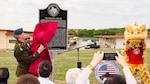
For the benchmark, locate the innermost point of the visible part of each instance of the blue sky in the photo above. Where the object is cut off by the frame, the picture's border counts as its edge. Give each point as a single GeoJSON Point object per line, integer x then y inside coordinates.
{"type": "Point", "coordinates": [89, 14]}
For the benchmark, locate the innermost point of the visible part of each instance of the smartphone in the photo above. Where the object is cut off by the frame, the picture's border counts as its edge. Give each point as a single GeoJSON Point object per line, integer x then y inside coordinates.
{"type": "Point", "coordinates": [79, 64]}
{"type": "Point", "coordinates": [110, 56]}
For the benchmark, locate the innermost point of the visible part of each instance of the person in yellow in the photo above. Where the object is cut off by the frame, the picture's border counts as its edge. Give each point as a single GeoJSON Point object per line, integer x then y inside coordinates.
{"type": "Point", "coordinates": [135, 50]}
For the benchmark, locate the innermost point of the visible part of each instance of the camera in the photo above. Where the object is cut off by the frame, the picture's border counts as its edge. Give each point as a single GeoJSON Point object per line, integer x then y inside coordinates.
{"type": "Point", "coordinates": [110, 56]}
{"type": "Point", "coordinates": [79, 64]}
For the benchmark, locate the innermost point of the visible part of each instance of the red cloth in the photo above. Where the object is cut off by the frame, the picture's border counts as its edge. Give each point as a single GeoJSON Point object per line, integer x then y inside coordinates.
{"type": "Point", "coordinates": [42, 34]}
{"type": "Point", "coordinates": [135, 55]}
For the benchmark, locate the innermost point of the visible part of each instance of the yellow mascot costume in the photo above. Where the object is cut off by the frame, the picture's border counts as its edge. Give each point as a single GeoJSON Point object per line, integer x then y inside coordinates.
{"type": "Point", "coordinates": [135, 50]}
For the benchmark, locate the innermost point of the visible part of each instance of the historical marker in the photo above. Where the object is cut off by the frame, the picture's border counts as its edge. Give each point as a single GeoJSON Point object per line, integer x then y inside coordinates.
{"type": "Point", "coordinates": [54, 13]}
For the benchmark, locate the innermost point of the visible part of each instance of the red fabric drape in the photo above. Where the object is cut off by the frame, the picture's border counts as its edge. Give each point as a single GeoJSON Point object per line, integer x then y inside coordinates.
{"type": "Point", "coordinates": [43, 33]}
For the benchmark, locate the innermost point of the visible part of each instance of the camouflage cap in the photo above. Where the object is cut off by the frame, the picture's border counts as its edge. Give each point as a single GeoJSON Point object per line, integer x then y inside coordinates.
{"type": "Point", "coordinates": [18, 31]}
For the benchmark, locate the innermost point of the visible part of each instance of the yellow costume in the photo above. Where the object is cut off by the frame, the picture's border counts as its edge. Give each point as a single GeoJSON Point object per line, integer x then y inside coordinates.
{"type": "Point", "coordinates": [135, 50]}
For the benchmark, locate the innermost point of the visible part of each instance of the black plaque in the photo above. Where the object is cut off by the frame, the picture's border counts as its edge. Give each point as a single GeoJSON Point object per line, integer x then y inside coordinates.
{"type": "Point", "coordinates": [54, 13]}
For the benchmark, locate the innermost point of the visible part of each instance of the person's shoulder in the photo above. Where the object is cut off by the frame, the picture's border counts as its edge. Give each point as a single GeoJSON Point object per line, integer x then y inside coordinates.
{"type": "Point", "coordinates": [51, 82]}
{"type": "Point", "coordinates": [45, 81]}
{"type": "Point", "coordinates": [20, 46]}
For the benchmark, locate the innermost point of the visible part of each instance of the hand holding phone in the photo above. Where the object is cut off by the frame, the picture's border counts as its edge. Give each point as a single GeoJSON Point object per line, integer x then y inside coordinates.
{"type": "Point", "coordinates": [110, 56]}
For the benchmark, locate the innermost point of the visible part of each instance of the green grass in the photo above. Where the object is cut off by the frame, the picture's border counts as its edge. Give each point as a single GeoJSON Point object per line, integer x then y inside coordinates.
{"type": "Point", "coordinates": [7, 60]}
{"type": "Point", "coordinates": [63, 62]}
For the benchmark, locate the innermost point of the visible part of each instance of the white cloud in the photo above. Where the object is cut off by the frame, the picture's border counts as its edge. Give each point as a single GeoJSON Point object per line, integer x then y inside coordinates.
{"type": "Point", "coordinates": [81, 13]}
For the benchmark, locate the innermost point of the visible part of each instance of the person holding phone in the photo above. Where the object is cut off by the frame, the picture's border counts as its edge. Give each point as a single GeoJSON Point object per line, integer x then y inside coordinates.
{"type": "Point", "coordinates": [82, 77]}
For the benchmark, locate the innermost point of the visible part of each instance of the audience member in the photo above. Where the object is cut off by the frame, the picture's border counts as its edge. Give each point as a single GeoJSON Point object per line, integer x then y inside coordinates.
{"type": "Point", "coordinates": [72, 74]}
{"type": "Point", "coordinates": [119, 79]}
{"type": "Point", "coordinates": [45, 69]}
{"type": "Point", "coordinates": [27, 79]}
{"type": "Point", "coordinates": [115, 79]}
{"type": "Point", "coordinates": [82, 77]}
{"type": "Point", "coordinates": [4, 75]}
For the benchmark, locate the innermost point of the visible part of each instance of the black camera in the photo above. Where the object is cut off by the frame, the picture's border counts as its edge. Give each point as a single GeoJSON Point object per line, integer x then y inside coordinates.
{"type": "Point", "coordinates": [79, 64]}
{"type": "Point", "coordinates": [110, 56]}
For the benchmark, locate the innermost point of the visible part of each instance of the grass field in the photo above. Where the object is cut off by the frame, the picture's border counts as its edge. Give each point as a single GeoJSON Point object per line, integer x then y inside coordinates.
{"type": "Point", "coordinates": [63, 62]}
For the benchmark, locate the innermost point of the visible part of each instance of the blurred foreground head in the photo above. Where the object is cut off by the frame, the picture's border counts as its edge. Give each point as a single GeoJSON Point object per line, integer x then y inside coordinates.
{"type": "Point", "coordinates": [45, 68]}
{"type": "Point", "coordinates": [4, 75]}
{"type": "Point", "coordinates": [115, 79]}
{"type": "Point", "coordinates": [27, 79]}
{"type": "Point", "coordinates": [72, 75]}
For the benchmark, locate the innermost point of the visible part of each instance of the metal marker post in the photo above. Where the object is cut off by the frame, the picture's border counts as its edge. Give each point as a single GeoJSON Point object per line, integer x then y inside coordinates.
{"type": "Point", "coordinates": [53, 53]}
{"type": "Point", "coordinates": [79, 64]}
{"type": "Point", "coordinates": [53, 65]}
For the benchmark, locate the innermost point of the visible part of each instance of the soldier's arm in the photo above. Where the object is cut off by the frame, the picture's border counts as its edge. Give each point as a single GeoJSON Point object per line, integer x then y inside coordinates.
{"type": "Point", "coordinates": [25, 56]}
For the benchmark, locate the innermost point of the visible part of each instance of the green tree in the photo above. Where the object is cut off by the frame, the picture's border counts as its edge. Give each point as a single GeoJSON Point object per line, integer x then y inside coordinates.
{"type": "Point", "coordinates": [93, 32]}
{"type": "Point", "coordinates": [80, 33]}
{"type": "Point", "coordinates": [71, 32]}
{"type": "Point", "coordinates": [120, 30]}
{"type": "Point", "coordinates": [90, 33]}
{"type": "Point", "coordinates": [97, 32]}
{"type": "Point", "coordinates": [111, 31]}
{"type": "Point", "coordinates": [148, 30]}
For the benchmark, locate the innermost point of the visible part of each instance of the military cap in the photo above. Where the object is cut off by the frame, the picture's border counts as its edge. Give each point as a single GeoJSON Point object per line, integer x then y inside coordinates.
{"type": "Point", "coordinates": [18, 31]}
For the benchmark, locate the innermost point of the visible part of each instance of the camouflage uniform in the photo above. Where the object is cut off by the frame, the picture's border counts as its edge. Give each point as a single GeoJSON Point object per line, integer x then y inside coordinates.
{"type": "Point", "coordinates": [24, 57]}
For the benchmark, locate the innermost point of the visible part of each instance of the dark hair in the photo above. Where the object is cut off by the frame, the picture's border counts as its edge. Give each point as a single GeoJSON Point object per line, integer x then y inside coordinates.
{"type": "Point", "coordinates": [27, 79]}
{"type": "Point", "coordinates": [4, 75]}
{"type": "Point", "coordinates": [115, 79]}
{"type": "Point", "coordinates": [45, 68]}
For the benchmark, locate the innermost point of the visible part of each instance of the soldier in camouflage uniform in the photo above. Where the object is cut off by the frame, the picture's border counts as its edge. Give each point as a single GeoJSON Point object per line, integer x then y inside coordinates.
{"type": "Point", "coordinates": [23, 53]}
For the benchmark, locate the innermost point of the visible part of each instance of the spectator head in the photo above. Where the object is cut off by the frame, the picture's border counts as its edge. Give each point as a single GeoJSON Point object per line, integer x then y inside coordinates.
{"type": "Point", "coordinates": [115, 79]}
{"type": "Point", "coordinates": [27, 79]}
{"type": "Point", "coordinates": [72, 74]}
{"type": "Point", "coordinates": [45, 68]}
{"type": "Point", "coordinates": [4, 75]}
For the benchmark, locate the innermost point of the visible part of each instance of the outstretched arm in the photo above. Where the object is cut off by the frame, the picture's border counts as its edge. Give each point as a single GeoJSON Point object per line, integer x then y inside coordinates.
{"type": "Point", "coordinates": [84, 75]}
{"type": "Point", "coordinates": [128, 75]}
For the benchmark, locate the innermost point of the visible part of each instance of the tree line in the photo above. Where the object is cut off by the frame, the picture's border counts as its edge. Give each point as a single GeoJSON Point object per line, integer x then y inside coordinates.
{"type": "Point", "coordinates": [94, 32]}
